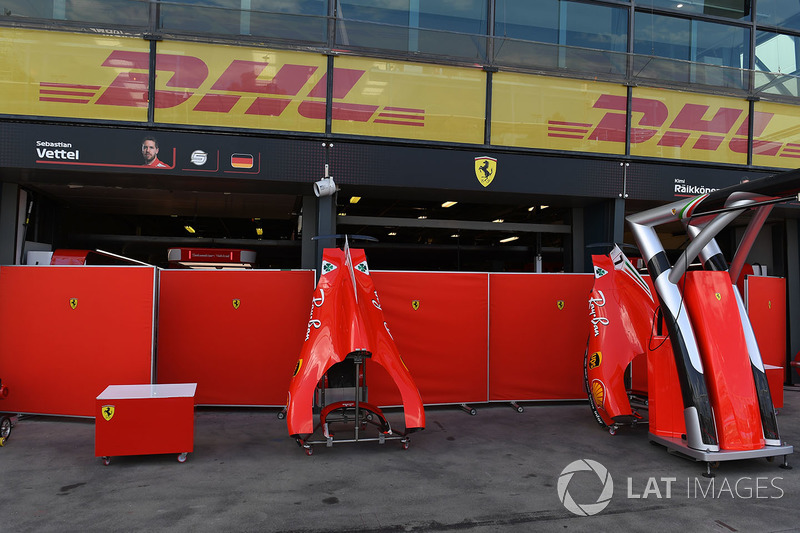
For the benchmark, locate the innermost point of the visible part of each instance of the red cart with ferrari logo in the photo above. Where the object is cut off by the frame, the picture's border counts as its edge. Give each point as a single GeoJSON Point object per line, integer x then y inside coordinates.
{"type": "Point", "coordinates": [144, 420]}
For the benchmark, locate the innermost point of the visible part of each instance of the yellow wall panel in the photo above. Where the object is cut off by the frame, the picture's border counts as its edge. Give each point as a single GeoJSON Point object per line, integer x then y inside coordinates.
{"type": "Point", "coordinates": [689, 126]}
{"type": "Point", "coordinates": [776, 135]}
{"type": "Point", "coordinates": [554, 113]}
{"type": "Point", "coordinates": [55, 74]}
{"type": "Point", "coordinates": [408, 100]}
{"type": "Point", "coordinates": [239, 87]}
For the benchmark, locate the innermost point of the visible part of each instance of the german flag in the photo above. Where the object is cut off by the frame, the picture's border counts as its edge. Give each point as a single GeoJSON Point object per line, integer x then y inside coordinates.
{"type": "Point", "coordinates": [242, 161]}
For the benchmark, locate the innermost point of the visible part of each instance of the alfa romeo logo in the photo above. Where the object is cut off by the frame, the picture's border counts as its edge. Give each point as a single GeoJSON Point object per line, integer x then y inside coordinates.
{"type": "Point", "coordinates": [585, 509]}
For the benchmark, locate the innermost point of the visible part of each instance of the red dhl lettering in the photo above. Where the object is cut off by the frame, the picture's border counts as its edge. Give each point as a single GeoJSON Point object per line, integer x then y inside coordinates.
{"type": "Point", "coordinates": [240, 79]}
{"type": "Point", "coordinates": [649, 116]}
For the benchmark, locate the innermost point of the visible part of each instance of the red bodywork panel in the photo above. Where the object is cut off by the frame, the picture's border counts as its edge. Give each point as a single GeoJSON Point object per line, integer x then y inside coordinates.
{"type": "Point", "coordinates": [621, 314]}
{"type": "Point", "coordinates": [715, 317]}
{"type": "Point", "coordinates": [346, 317]}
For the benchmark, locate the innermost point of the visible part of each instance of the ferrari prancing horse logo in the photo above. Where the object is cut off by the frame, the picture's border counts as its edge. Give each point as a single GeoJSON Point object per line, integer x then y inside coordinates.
{"type": "Point", "coordinates": [718, 295]}
{"type": "Point", "coordinates": [236, 303]}
{"type": "Point", "coordinates": [560, 304]}
{"type": "Point", "coordinates": [485, 169]}
{"type": "Point", "coordinates": [414, 304]}
{"type": "Point", "coordinates": [108, 412]}
{"type": "Point", "coordinates": [73, 303]}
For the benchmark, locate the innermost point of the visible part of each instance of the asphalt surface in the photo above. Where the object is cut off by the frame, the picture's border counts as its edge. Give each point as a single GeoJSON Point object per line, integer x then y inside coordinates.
{"type": "Point", "coordinates": [496, 471]}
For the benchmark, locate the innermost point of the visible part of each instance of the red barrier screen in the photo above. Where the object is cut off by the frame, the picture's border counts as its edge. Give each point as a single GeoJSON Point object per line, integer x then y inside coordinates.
{"type": "Point", "coordinates": [236, 333]}
{"type": "Point", "coordinates": [67, 332]}
{"type": "Point", "coordinates": [766, 307]}
{"type": "Point", "coordinates": [539, 326]}
{"type": "Point", "coordinates": [438, 321]}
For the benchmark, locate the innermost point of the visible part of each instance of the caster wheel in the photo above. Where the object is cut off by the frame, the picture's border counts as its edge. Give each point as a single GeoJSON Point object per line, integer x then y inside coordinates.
{"type": "Point", "coordinates": [5, 429]}
{"type": "Point", "coordinates": [369, 417]}
{"type": "Point", "coordinates": [612, 430]}
{"type": "Point", "coordinates": [406, 444]}
{"type": "Point", "coordinates": [182, 457]}
{"type": "Point", "coordinates": [106, 461]}
{"type": "Point", "coordinates": [520, 409]}
{"type": "Point", "coordinates": [473, 412]}
{"type": "Point", "coordinates": [281, 415]}
{"type": "Point", "coordinates": [309, 451]}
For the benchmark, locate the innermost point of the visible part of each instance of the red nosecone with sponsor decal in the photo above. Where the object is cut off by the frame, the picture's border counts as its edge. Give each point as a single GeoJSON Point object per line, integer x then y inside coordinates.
{"type": "Point", "coordinates": [621, 311]}
{"type": "Point", "coordinates": [346, 318]}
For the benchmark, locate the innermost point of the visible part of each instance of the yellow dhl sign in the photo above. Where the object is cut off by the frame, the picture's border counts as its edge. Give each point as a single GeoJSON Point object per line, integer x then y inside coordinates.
{"type": "Point", "coordinates": [104, 77]}
{"type": "Point", "coordinates": [66, 75]}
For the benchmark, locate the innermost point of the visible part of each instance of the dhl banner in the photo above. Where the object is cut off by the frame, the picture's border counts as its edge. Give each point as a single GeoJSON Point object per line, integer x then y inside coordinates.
{"type": "Point", "coordinates": [233, 86]}
{"type": "Point", "coordinates": [553, 113]}
{"type": "Point", "coordinates": [408, 100]}
{"type": "Point", "coordinates": [102, 77]}
{"type": "Point", "coordinates": [68, 75]}
{"type": "Point", "coordinates": [678, 125]}
{"type": "Point", "coordinates": [776, 135]}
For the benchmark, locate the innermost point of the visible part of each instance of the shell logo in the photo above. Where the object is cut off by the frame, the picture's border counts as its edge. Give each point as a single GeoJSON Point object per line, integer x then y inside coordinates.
{"type": "Point", "coordinates": [598, 392]}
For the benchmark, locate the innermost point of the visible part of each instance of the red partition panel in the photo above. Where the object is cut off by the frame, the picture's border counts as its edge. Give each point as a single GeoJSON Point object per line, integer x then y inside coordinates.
{"type": "Point", "coordinates": [236, 333]}
{"type": "Point", "coordinates": [766, 307]}
{"type": "Point", "coordinates": [538, 331]}
{"type": "Point", "coordinates": [442, 338]}
{"type": "Point", "coordinates": [67, 332]}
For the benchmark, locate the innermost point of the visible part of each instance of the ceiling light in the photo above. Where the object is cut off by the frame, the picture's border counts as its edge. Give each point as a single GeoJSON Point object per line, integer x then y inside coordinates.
{"type": "Point", "coordinates": [531, 208]}
{"type": "Point", "coordinates": [189, 229]}
{"type": "Point", "coordinates": [509, 239]}
{"type": "Point", "coordinates": [259, 231]}
{"type": "Point", "coordinates": [422, 217]}
{"type": "Point", "coordinates": [454, 235]}
{"type": "Point", "coordinates": [355, 199]}
{"type": "Point", "coordinates": [498, 220]}
{"type": "Point", "coordinates": [679, 6]}
{"type": "Point", "coordinates": [342, 214]}
{"type": "Point", "coordinates": [392, 233]}
{"type": "Point", "coordinates": [543, 206]}
{"type": "Point", "coordinates": [449, 204]}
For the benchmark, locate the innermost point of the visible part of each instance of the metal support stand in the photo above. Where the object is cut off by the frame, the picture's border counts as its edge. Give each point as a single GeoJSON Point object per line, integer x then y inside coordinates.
{"type": "Point", "coordinates": [467, 409]}
{"type": "Point", "coordinates": [363, 413]}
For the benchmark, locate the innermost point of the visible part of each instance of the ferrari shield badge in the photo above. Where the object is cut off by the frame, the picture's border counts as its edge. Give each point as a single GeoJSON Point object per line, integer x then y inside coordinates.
{"type": "Point", "coordinates": [485, 169]}
{"type": "Point", "coordinates": [414, 304]}
{"type": "Point", "coordinates": [560, 304]}
{"type": "Point", "coordinates": [236, 303]}
{"type": "Point", "coordinates": [73, 303]}
{"type": "Point", "coordinates": [108, 412]}
{"type": "Point", "coordinates": [718, 296]}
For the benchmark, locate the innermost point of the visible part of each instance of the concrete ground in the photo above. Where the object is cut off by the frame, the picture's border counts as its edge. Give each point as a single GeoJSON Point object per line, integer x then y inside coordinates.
{"type": "Point", "coordinates": [496, 471]}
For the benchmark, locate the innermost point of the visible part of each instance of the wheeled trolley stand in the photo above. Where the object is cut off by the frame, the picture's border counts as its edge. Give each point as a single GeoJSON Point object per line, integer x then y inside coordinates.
{"type": "Point", "coordinates": [357, 413]}
{"type": "Point", "coordinates": [6, 420]}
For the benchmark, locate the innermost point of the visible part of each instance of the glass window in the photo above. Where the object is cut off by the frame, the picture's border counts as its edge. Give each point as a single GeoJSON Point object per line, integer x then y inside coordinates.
{"type": "Point", "coordinates": [123, 12]}
{"type": "Point", "coordinates": [302, 20]}
{"type": "Point", "coordinates": [733, 9]}
{"type": "Point", "coordinates": [455, 28]}
{"type": "Point", "coordinates": [777, 64]}
{"type": "Point", "coordinates": [779, 13]}
{"type": "Point", "coordinates": [717, 52]}
{"type": "Point", "coordinates": [522, 35]}
{"type": "Point", "coordinates": [516, 20]}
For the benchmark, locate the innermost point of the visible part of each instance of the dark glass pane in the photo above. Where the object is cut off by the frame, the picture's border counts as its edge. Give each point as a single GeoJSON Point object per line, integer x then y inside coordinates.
{"type": "Point", "coordinates": [451, 29]}
{"type": "Point", "coordinates": [733, 9]}
{"type": "Point", "coordinates": [779, 13]}
{"type": "Point", "coordinates": [515, 19]}
{"type": "Point", "coordinates": [122, 12]}
{"type": "Point", "coordinates": [598, 27]}
{"type": "Point", "coordinates": [657, 35]}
